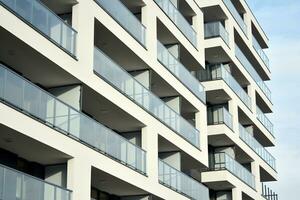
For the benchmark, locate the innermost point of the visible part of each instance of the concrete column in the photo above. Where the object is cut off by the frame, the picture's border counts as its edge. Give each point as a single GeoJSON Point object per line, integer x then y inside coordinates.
{"type": "Point", "coordinates": [256, 172]}
{"type": "Point", "coordinates": [237, 194]}
{"type": "Point", "coordinates": [251, 93]}
{"type": "Point", "coordinates": [247, 19]}
{"type": "Point", "coordinates": [201, 125]}
{"type": "Point", "coordinates": [233, 110]}
{"type": "Point", "coordinates": [150, 144]}
{"type": "Point", "coordinates": [79, 178]}
{"type": "Point", "coordinates": [83, 22]}
{"type": "Point", "coordinates": [230, 29]}
{"type": "Point", "coordinates": [149, 20]}
{"type": "Point", "coordinates": [198, 25]}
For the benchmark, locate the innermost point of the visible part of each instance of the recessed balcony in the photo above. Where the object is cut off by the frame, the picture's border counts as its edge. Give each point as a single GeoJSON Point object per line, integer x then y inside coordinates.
{"type": "Point", "coordinates": [236, 15]}
{"type": "Point", "coordinates": [181, 183]}
{"type": "Point", "coordinates": [119, 78]}
{"type": "Point", "coordinates": [264, 120]}
{"type": "Point", "coordinates": [45, 21]}
{"type": "Point", "coordinates": [180, 71]}
{"type": "Point", "coordinates": [219, 72]}
{"type": "Point", "coordinates": [117, 10]}
{"type": "Point", "coordinates": [216, 29]}
{"type": "Point", "coordinates": [257, 147]}
{"type": "Point", "coordinates": [18, 185]}
{"type": "Point", "coordinates": [222, 161]}
{"type": "Point", "coordinates": [179, 20]}
{"type": "Point", "coordinates": [21, 94]}
{"type": "Point", "coordinates": [260, 52]}
{"type": "Point", "coordinates": [249, 67]}
{"type": "Point", "coordinates": [219, 115]}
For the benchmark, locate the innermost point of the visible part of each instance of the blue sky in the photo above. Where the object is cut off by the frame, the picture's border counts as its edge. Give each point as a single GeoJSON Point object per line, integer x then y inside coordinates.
{"type": "Point", "coordinates": [281, 21]}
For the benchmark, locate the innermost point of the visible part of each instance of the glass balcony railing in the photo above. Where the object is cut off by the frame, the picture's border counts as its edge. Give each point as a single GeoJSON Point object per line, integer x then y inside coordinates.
{"type": "Point", "coordinates": [223, 161]}
{"type": "Point", "coordinates": [27, 97]}
{"type": "Point", "coordinates": [180, 71]}
{"type": "Point", "coordinates": [18, 185]}
{"type": "Point", "coordinates": [257, 147]}
{"type": "Point", "coordinates": [264, 120]}
{"type": "Point", "coordinates": [181, 183]}
{"type": "Point", "coordinates": [219, 115]}
{"type": "Point", "coordinates": [126, 84]}
{"type": "Point", "coordinates": [117, 10]}
{"type": "Point", "coordinates": [249, 67]}
{"type": "Point", "coordinates": [216, 29]}
{"type": "Point", "coordinates": [176, 17]}
{"type": "Point", "coordinates": [236, 15]}
{"type": "Point", "coordinates": [45, 21]}
{"type": "Point", "coordinates": [219, 72]}
{"type": "Point", "coordinates": [260, 52]}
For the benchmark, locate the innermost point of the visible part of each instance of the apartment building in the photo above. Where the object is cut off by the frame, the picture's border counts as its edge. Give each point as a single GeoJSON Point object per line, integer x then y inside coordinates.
{"type": "Point", "coordinates": [134, 100]}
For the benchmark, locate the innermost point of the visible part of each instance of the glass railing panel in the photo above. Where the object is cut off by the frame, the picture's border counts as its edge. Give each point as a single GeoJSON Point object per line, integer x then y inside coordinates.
{"type": "Point", "coordinates": [27, 97]}
{"type": "Point", "coordinates": [257, 147]}
{"type": "Point", "coordinates": [180, 182]}
{"type": "Point", "coordinates": [216, 29]}
{"type": "Point", "coordinates": [264, 120]}
{"type": "Point", "coordinates": [218, 72]}
{"type": "Point", "coordinates": [125, 18]}
{"type": "Point", "coordinates": [236, 15]}
{"type": "Point", "coordinates": [173, 13]}
{"type": "Point", "coordinates": [219, 115]}
{"type": "Point", "coordinates": [224, 161]}
{"type": "Point", "coordinates": [260, 52]}
{"type": "Point", "coordinates": [248, 66]}
{"type": "Point", "coordinates": [180, 71]}
{"type": "Point", "coordinates": [17, 185]}
{"type": "Point", "coordinates": [46, 21]}
{"type": "Point", "coordinates": [125, 83]}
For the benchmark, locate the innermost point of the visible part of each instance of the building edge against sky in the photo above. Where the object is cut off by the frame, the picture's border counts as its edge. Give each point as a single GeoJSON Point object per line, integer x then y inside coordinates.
{"type": "Point", "coordinates": [134, 100]}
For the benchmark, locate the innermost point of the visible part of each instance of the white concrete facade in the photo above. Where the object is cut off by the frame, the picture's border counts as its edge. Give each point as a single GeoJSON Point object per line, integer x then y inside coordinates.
{"type": "Point", "coordinates": [118, 99]}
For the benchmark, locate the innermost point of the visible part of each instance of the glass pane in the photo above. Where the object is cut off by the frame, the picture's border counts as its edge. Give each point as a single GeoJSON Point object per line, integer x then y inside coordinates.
{"type": "Point", "coordinates": [40, 17]}
{"type": "Point", "coordinates": [32, 189]}
{"type": "Point", "coordinates": [61, 116]}
{"type": "Point", "coordinates": [24, 8]}
{"type": "Point", "coordinates": [32, 99]}
{"type": "Point", "coordinates": [2, 83]}
{"type": "Point", "coordinates": [55, 28]}
{"type": "Point", "coordinates": [11, 189]}
{"type": "Point", "coordinates": [14, 90]}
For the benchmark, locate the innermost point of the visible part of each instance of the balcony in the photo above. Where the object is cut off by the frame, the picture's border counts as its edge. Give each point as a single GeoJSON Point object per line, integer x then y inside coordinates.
{"type": "Point", "coordinates": [181, 183]}
{"type": "Point", "coordinates": [117, 10]}
{"type": "Point", "coordinates": [260, 52]}
{"type": "Point", "coordinates": [236, 15]}
{"type": "Point", "coordinates": [127, 85]}
{"type": "Point", "coordinates": [223, 161]}
{"type": "Point", "coordinates": [264, 120]}
{"type": "Point", "coordinates": [257, 147]}
{"type": "Point", "coordinates": [180, 71]}
{"type": "Point", "coordinates": [219, 72]}
{"type": "Point", "coordinates": [178, 19]}
{"type": "Point", "coordinates": [248, 66]}
{"type": "Point", "coordinates": [46, 22]}
{"type": "Point", "coordinates": [216, 29]}
{"type": "Point", "coordinates": [268, 194]}
{"type": "Point", "coordinates": [219, 115]}
{"type": "Point", "coordinates": [32, 100]}
{"type": "Point", "coordinates": [17, 185]}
